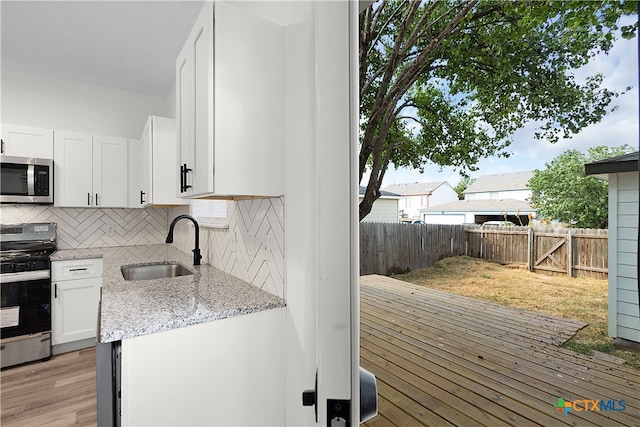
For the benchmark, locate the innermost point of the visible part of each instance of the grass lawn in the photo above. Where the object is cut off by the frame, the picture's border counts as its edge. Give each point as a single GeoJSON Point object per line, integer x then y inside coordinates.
{"type": "Point", "coordinates": [572, 298]}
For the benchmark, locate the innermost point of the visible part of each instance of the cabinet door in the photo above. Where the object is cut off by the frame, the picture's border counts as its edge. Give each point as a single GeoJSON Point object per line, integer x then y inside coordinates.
{"type": "Point", "coordinates": [145, 165]}
{"type": "Point", "coordinates": [74, 310]}
{"type": "Point", "coordinates": [163, 150]}
{"type": "Point", "coordinates": [202, 88]}
{"type": "Point", "coordinates": [183, 116]}
{"type": "Point", "coordinates": [110, 172]}
{"type": "Point", "coordinates": [25, 141]}
{"type": "Point", "coordinates": [73, 169]}
{"type": "Point", "coordinates": [135, 178]}
{"type": "Point", "coordinates": [194, 97]}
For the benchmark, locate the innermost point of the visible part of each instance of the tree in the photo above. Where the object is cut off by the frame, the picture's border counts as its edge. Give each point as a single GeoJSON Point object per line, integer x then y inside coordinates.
{"type": "Point", "coordinates": [563, 192]}
{"type": "Point", "coordinates": [462, 185]}
{"type": "Point", "coordinates": [448, 82]}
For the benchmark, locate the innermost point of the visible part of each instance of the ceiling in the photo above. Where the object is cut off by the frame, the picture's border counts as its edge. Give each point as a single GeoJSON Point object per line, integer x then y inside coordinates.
{"type": "Point", "coordinates": [129, 45]}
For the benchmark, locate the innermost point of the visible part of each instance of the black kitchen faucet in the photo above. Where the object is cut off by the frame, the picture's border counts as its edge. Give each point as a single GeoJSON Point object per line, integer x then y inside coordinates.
{"type": "Point", "coordinates": [196, 251]}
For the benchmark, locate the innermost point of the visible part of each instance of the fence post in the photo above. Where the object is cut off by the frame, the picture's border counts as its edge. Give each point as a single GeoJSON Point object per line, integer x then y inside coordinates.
{"type": "Point", "coordinates": [530, 249]}
{"type": "Point", "coordinates": [570, 252]}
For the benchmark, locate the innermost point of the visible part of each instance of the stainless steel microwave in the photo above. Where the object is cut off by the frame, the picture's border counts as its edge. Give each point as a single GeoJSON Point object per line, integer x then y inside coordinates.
{"type": "Point", "coordinates": [26, 180]}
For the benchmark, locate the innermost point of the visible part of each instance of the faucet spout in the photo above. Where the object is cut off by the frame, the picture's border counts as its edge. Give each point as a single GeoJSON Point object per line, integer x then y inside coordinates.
{"type": "Point", "coordinates": [196, 251]}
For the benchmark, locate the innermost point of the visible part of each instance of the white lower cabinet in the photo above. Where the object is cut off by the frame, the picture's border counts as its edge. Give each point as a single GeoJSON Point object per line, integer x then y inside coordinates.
{"type": "Point", "coordinates": [75, 287]}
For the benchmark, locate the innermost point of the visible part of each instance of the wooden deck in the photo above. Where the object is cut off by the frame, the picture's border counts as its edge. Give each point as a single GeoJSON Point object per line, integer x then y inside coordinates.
{"type": "Point", "coordinates": [445, 360]}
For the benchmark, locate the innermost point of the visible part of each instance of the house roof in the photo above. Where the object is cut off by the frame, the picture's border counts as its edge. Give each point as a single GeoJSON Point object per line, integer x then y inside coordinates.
{"type": "Point", "coordinates": [485, 205]}
{"type": "Point", "coordinates": [415, 188]}
{"type": "Point", "coordinates": [624, 163]}
{"type": "Point", "coordinates": [500, 182]}
{"type": "Point", "coordinates": [383, 193]}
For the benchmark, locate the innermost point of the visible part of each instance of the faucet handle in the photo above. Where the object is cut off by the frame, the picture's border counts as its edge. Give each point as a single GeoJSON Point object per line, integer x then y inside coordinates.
{"type": "Point", "coordinates": [196, 256]}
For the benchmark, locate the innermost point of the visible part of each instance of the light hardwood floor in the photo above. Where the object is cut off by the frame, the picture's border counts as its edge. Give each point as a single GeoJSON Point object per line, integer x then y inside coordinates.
{"type": "Point", "coordinates": [58, 392]}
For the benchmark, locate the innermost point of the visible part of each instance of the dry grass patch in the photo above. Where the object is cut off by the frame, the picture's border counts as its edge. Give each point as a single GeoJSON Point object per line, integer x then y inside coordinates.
{"type": "Point", "coordinates": [572, 298]}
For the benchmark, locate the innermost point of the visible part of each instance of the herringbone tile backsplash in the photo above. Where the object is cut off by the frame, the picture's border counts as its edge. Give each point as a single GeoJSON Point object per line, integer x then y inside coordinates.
{"type": "Point", "coordinates": [95, 228]}
{"type": "Point", "coordinates": [251, 248]}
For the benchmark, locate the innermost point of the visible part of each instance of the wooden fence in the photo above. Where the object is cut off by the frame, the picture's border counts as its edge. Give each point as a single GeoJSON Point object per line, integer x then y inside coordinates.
{"type": "Point", "coordinates": [387, 248]}
{"type": "Point", "coordinates": [568, 251]}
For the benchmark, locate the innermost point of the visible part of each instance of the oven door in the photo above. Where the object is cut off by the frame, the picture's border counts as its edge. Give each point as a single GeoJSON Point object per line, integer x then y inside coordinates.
{"type": "Point", "coordinates": [26, 303]}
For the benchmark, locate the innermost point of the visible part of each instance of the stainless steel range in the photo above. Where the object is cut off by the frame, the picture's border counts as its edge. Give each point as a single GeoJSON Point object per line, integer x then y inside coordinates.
{"type": "Point", "coordinates": [25, 277]}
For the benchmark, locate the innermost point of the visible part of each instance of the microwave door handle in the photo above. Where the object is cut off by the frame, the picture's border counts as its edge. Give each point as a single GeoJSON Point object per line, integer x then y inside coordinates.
{"type": "Point", "coordinates": [31, 191]}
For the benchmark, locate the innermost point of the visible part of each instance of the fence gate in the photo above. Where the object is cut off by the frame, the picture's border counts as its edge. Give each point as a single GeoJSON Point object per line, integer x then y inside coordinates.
{"type": "Point", "coordinates": [550, 252]}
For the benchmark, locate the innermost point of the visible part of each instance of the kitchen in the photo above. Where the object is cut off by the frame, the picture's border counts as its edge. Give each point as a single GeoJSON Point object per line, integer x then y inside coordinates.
{"type": "Point", "coordinates": [281, 156]}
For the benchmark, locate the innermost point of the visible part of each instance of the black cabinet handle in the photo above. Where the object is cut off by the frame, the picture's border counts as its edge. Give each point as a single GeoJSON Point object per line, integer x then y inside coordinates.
{"type": "Point", "coordinates": [181, 178]}
{"type": "Point", "coordinates": [55, 291]}
{"type": "Point", "coordinates": [96, 199]}
{"type": "Point", "coordinates": [184, 170]}
{"type": "Point", "coordinates": [142, 193]}
{"type": "Point", "coordinates": [1, 146]}
{"type": "Point", "coordinates": [88, 199]}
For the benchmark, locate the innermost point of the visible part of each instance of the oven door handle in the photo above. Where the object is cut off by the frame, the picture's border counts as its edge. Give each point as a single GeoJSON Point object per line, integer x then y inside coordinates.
{"type": "Point", "coordinates": [24, 276]}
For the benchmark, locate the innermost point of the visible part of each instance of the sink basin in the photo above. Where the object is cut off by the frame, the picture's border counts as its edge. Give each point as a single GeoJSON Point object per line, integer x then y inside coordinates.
{"type": "Point", "coordinates": [154, 271]}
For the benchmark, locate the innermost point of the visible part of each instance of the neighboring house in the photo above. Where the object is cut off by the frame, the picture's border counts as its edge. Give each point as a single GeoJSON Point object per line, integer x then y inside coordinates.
{"type": "Point", "coordinates": [420, 195]}
{"type": "Point", "coordinates": [622, 174]}
{"type": "Point", "coordinates": [479, 211]}
{"type": "Point", "coordinates": [385, 209]}
{"type": "Point", "coordinates": [500, 186]}
{"type": "Point", "coordinates": [488, 198]}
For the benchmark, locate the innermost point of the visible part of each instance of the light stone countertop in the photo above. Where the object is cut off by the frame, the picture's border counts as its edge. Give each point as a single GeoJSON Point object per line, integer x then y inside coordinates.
{"type": "Point", "coordinates": [134, 308]}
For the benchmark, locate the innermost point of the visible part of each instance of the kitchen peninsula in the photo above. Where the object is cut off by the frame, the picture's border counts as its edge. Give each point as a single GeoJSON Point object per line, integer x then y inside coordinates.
{"type": "Point", "coordinates": [185, 341]}
{"type": "Point", "coordinates": [135, 308]}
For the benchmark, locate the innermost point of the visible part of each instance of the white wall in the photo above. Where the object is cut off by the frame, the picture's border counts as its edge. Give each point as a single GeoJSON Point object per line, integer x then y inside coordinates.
{"type": "Point", "coordinates": [35, 100]}
{"type": "Point", "coordinates": [513, 194]}
{"type": "Point", "coordinates": [415, 203]}
{"type": "Point", "coordinates": [624, 319]}
{"type": "Point", "coordinates": [443, 194]}
{"type": "Point", "coordinates": [444, 219]}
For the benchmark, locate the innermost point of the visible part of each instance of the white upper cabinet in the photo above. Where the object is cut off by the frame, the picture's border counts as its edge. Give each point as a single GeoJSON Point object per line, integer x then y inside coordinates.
{"type": "Point", "coordinates": [110, 172]}
{"type": "Point", "coordinates": [157, 184]}
{"type": "Point", "coordinates": [26, 141]}
{"type": "Point", "coordinates": [90, 171]}
{"type": "Point", "coordinates": [136, 196]}
{"type": "Point", "coordinates": [229, 101]}
{"type": "Point", "coordinates": [73, 170]}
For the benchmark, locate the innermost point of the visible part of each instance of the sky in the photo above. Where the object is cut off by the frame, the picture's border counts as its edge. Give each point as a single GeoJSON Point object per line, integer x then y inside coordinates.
{"type": "Point", "coordinates": [619, 68]}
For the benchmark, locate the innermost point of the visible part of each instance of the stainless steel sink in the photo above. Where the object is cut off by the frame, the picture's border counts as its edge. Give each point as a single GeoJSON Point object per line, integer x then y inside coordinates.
{"type": "Point", "coordinates": [154, 271]}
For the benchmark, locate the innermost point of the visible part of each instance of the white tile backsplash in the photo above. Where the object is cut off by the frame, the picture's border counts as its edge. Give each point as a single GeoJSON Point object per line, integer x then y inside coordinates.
{"type": "Point", "coordinates": [251, 248]}
{"type": "Point", "coordinates": [95, 228]}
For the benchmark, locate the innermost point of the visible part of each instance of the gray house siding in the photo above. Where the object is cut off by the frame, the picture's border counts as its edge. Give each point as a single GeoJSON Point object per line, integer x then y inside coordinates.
{"type": "Point", "coordinates": [624, 315]}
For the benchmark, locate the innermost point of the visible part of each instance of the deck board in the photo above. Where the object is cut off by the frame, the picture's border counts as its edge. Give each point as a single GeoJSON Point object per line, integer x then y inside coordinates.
{"type": "Point", "coordinates": [468, 362]}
